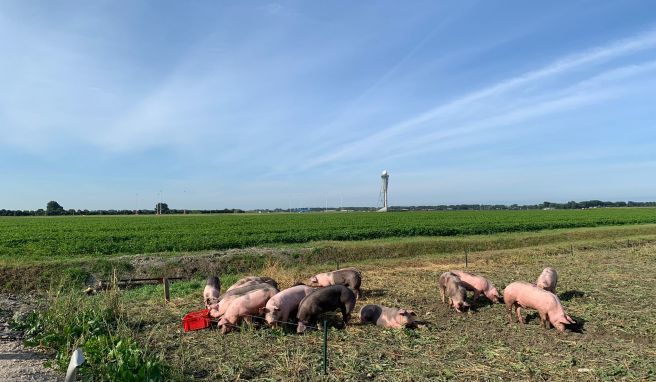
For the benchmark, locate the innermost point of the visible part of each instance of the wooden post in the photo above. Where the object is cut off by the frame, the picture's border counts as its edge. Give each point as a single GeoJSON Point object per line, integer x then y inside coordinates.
{"type": "Point", "coordinates": [466, 260]}
{"type": "Point", "coordinates": [571, 249]}
{"type": "Point", "coordinates": [167, 292]}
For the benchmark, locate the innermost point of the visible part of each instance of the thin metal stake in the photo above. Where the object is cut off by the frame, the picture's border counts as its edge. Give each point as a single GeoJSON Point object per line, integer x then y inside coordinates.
{"type": "Point", "coordinates": [325, 347]}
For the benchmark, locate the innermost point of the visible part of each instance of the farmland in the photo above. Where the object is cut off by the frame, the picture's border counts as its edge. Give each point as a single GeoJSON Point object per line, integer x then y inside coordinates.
{"type": "Point", "coordinates": [57, 238]}
{"type": "Point", "coordinates": [606, 259]}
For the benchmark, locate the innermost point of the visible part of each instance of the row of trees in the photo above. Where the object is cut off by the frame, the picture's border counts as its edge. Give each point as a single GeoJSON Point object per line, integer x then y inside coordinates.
{"type": "Point", "coordinates": [544, 205]}
{"type": "Point", "coordinates": [55, 209]}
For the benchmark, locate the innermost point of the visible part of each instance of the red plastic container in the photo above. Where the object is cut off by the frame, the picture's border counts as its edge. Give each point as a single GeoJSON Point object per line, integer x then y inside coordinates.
{"type": "Point", "coordinates": [196, 320]}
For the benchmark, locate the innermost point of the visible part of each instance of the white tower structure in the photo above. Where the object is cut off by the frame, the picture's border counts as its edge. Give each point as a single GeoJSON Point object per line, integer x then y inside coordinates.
{"type": "Point", "coordinates": [383, 190]}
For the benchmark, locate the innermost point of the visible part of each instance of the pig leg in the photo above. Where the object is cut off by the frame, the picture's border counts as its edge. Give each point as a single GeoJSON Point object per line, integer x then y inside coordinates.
{"type": "Point", "coordinates": [519, 314]}
{"type": "Point", "coordinates": [543, 320]}
{"type": "Point", "coordinates": [509, 311]}
{"type": "Point", "coordinates": [442, 294]}
{"type": "Point", "coordinates": [345, 315]}
{"type": "Point", "coordinates": [477, 293]}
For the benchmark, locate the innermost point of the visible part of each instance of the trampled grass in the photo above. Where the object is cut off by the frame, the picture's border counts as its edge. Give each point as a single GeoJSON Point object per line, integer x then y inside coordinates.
{"type": "Point", "coordinates": [608, 291]}
{"type": "Point", "coordinates": [61, 238]}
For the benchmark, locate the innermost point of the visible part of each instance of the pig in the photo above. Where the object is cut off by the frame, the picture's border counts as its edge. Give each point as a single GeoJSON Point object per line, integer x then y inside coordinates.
{"type": "Point", "coordinates": [252, 280]}
{"type": "Point", "coordinates": [285, 304]}
{"type": "Point", "coordinates": [451, 287]}
{"type": "Point", "coordinates": [212, 291]}
{"type": "Point", "coordinates": [245, 288]}
{"type": "Point", "coordinates": [478, 284]}
{"type": "Point", "coordinates": [325, 300]}
{"type": "Point", "coordinates": [528, 296]}
{"type": "Point", "coordinates": [218, 309]}
{"type": "Point", "coordinates": [244, 306]}
{"type": "Point", "coordinates": [349, 277]}
{"type": "Point", "coordinates": [548, 279]}
{"type": "Point", "coordinates": [387, 317]}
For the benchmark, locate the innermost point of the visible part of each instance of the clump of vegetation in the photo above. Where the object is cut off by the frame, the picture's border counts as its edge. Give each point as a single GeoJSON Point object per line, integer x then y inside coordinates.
{"type": "Point", "coordinates": [97, 324]}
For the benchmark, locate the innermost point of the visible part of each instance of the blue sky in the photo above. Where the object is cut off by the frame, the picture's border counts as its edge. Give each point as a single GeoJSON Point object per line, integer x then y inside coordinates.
{"type": "Point", "coordinates": [252, 104]}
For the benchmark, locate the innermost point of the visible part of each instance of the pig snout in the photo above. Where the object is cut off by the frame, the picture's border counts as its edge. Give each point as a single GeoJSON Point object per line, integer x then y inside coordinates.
{"type": "Point", "coordinates": [301, 327]}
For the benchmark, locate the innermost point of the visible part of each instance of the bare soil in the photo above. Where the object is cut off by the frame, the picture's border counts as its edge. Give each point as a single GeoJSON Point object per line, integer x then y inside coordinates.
{"type": "Point", "coordinates": [18, 363]}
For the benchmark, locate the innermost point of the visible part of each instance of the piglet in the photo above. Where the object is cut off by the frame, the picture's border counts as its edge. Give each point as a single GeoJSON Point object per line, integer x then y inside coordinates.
{"type": "Point", "coordinates": [521, 294]}
{"type": "Point", "coordinates": [387, 317]}
{"type": "Point", "coordinates": [349, 277]}
{"type": "Point", "coordinates": [253, 280]}
{"type": "Point", "coordinates": [212, 291]}
{"type": "Point", "coordinates": [285, 304]}
{"type": "Point", "coordinates": [548, 279]}
{"type": "Point", "coordinates": [322, 301]}
{"type": "Point", "coordinates": [478, 284]}
{"type": "Point", "coordinates": [245, 306]}
{"type": "Point", "coordinates": [451, 287]}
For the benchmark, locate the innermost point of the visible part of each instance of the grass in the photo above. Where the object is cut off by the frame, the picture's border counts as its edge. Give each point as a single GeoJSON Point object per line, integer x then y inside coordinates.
{"type": "Point", "coordinates": [606, 283]}
{"type": "Point", "coordinates": [20, 276]}
{"type": "Point", "coordinates": [43, 239]}
{"type": "Point", "coordinates": [608, 291]}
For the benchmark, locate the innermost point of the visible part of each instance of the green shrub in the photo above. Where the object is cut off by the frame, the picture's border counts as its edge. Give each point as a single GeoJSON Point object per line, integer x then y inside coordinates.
{"type": "Point", "coordinates": [97, 324]}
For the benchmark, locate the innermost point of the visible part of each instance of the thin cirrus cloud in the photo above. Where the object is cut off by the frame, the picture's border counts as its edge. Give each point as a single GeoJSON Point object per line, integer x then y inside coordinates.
{"type": "Point", "coordinates": [493, 102]}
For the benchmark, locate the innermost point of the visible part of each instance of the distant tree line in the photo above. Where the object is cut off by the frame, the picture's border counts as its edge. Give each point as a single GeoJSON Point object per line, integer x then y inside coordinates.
{"type": "Point", "coordinates": [55, 209]}
{"type": "Point", "coordinates": [545, 205]}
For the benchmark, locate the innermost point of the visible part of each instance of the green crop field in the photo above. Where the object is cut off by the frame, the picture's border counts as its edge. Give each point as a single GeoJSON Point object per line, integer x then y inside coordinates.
{"type": "Point", "coordinates": [605, 258]}
{"type": "Point", "coordinates": [32, 238]}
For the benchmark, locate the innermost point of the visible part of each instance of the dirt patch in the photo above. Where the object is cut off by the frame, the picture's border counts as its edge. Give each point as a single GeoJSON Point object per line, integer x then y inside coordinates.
{"type": "Point", "coordinates": [18, 363]}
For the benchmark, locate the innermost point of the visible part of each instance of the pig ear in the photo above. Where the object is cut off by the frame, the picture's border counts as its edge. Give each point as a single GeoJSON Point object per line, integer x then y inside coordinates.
{"type": "Point", "coordinates": [314, 279]}
{"type": "Point", "coordinates": [403, 312]}
{"type": "Point", "coordinates": [276, 308]}
{"type": "Point", "coordinates": [569, 320]}
{"type": "Point", "coordinates": [264, 310]}
{"type": "Point", "coordinates": [412, 313]}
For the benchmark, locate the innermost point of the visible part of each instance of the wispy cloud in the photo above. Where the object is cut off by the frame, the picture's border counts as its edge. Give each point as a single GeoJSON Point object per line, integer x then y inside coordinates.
{"type": "Point", "coordinates": [485, 105]}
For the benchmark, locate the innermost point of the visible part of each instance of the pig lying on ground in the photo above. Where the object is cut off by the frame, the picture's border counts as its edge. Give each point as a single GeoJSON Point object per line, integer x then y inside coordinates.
{"type": "Point", "coordinates": [387, 317]}
{"type": "Point", "coordinates": [212, 291]}
{"type": "Point", "coordinates": [245, 306]}
{"type": "Point", "coordinates": [252, 280]}
{"type": "Point", "coordinates": [528, 296]}
{"type": "Point", "coordinates": [219, 308]}
{"type": "Point", "coordinates": [284, 305]}
{"type": "Point", "coordinates": [478, 284]}
{"type": "Point", "coordinates": [322, 301]}
{"type": "Point", "coordinates": [451, 287]}
{"type": "Point", "coordinates": [548, 280]}
{"type": "Point", "coordinates": [349, 277]}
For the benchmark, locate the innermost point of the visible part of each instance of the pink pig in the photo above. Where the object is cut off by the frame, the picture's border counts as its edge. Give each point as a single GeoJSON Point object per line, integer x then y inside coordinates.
{"type": "Point", "coordinates": [245, 306]}
{"type": "Point", "coordinates": [387, 317]}
{"type": "Point", "coordinates": [548, 279]}
{"type": "Point", "coordinates": [528, 296]}
{"type": "Point", "coordinates": [220, 308]}
{"type": "Point", "coordinates": [478, 284]}
{"type": "Point", "coordinates": [349, 277]}
{"type": "Point", "coordinates": [212, 291]}
{"type": "Point", "coordinates": [281, 306]}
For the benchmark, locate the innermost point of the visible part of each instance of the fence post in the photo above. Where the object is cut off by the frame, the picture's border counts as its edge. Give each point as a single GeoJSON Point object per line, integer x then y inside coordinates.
{"type": "Point", "coordinates": [325, 347]}
{"type": "Point", "coordinates": [167, 292]}
{"type": "Point", "coordinates": [466, 261]}
{"type": "Point", "coordinates": [337, 263]}
{"type": "Point", "coordinates": [571, 249]}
